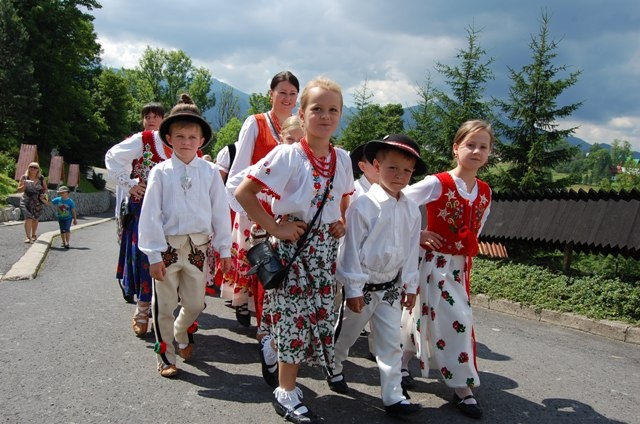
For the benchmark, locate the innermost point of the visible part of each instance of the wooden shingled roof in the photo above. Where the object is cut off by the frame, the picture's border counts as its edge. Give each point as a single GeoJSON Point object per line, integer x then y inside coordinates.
{"type": "Point", "coordinates": [599, 221]}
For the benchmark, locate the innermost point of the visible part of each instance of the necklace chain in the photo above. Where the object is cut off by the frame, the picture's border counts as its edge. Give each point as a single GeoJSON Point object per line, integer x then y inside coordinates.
{"type": "Point", "coordinates": [322, 167]}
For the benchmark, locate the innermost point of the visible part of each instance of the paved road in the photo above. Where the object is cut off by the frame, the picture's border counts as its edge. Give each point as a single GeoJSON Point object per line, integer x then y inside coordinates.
{"type": "Point", "coordinates": [68, 356]}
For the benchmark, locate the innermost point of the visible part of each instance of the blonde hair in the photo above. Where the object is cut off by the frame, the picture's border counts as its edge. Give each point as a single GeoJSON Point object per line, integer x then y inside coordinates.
{"type": "Point", "coordinates": [26, 171]}
{"type": "Point", "coordinates": [473, 126]}
{"type": "Point", "coordinates": [290, 124]}
{"type": "Point", "coordinates": [321, 82]}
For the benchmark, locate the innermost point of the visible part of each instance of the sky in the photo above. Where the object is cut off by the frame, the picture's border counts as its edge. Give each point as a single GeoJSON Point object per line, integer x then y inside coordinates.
{"type": "Point", "coordinates": [394, 46]}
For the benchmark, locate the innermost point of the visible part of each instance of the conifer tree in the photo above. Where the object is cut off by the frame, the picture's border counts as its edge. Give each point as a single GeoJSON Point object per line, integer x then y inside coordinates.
{"type": "Point", "coordinates": [534, 144]}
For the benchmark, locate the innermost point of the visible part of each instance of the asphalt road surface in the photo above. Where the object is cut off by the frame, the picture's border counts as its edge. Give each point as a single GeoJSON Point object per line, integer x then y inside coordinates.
{"type": "Point", "coordinates": [68, 355]}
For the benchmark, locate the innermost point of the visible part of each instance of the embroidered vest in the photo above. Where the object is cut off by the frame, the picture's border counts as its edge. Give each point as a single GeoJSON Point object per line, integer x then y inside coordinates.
{"type": "Point", "coordinates": [265, 142]}
{"type": "Point", "coordinates": [456, 219]}
{"type": "Point", "coordinates": [150, 157]}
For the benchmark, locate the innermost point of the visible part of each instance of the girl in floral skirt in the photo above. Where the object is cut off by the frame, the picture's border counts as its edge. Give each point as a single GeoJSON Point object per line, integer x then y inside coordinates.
{"type": "Point", "coordinates": [457, 204]}
{"type": "Point", "coordinates": [300, 313]}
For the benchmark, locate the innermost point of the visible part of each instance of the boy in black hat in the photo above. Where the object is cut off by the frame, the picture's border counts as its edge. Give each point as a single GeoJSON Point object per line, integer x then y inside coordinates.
{"type": "Point", "coordinates": [378, 265]}
{"type": "Point", "coordinates": [184, 203]}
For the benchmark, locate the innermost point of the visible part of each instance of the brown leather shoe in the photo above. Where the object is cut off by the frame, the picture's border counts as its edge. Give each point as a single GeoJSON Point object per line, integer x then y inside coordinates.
{"type": "Point", "coordinates": [168, 371]}
{"type": "Point", "coordinates": [186, 352]}
{"type": "Point", "coordinates": [140, 328]}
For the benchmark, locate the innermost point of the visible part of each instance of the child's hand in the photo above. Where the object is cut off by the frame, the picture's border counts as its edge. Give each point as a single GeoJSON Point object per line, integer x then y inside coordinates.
{"type": "Point", "coordinates": [430, 240]}
{"type": "Point", "coordinates": [137, 191]}
{"type": "Point", "coordinates": [409, 301]}
{"type": "Point", "coordinates": [226, 264]}
{"type": "Point", "coordinates": [356, 304]}
{"type": "Point", "coordinates": [337, 229]}
{"type": "Point", "coordinates": [158, 271]}
{"type": "Point", "coordinates": [75, 221]}
{"type": "Point", "coordinates": [289, 230]}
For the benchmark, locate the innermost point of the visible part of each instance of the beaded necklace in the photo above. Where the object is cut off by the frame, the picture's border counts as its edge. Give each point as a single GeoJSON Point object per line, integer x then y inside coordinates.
{"type": "Point", "coordinates": [275, 122]}
{"type": "Point", "coordinates": [320, 165]}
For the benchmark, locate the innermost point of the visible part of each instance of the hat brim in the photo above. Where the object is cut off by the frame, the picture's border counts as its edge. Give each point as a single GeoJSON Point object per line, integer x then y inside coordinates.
{"type": "Point", "coordinates": [356, 156]}
{"type": "Point", "coordinates": [188, 117]}
{"type": "Point", "coordinates": [372, 147]}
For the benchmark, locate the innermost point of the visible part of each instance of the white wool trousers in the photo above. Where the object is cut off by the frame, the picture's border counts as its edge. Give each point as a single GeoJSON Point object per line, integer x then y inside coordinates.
{"type": "Point", "coordinates": [384, 313]}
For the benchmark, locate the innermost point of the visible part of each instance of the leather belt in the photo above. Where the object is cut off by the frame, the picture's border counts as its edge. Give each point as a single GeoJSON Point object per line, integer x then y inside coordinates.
{"type": "Point", "coordinates": [380, 286]}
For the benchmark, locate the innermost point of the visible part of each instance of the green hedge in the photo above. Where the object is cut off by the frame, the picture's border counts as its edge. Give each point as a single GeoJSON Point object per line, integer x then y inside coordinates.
{"type": "Point", "coordinates": [592, 296]}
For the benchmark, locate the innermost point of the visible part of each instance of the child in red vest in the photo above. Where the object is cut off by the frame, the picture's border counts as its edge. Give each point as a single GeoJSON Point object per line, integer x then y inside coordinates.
{"type": "Point", "coordinates": [457, 204]}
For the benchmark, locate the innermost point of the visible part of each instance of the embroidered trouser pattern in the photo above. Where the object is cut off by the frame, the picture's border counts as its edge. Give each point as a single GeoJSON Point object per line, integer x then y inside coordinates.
{"type": "Point", "coordinates": [183, 282]}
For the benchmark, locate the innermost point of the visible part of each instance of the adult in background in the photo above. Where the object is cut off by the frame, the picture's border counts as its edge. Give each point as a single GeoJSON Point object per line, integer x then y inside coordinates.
{"type": "Point", "coordinates": [33, 187]}
{"type": "Point", "coordinates": [129, 163]}
{"type": "Point", "coordinates": [258, 136]}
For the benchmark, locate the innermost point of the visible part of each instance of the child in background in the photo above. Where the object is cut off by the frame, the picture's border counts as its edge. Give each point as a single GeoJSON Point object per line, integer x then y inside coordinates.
{"type": "Point", "coordinates": [457, 204]}
{"type": "Point", "coordinates": [378, 265]}
{"type": "Point", "coordinates": [66, 213]}
{"type": "Point", "coordinates": [184, 203]}
{"type": "Point", "coordinates": [300, 314]}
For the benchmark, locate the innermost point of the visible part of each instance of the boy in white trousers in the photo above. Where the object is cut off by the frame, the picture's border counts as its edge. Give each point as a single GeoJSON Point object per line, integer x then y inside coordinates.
{"type": "Point", "coordinates": [378, 265]}
{"type": "Point", "coordinates": [184, 203]}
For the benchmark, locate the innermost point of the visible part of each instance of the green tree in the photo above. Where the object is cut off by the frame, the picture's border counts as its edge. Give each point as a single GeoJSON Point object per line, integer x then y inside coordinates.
{"type": "Point", "coordinates": [597, 164]}
{"type": "Point", "coordinates": [227, 107]}
{"type": "Point", "coordinates": [65, 55]}
{"type": "Point", "coordinates": [370, 121]}
{"type": "Point", "coordinates": [19, 89]}
{"type": "Point", "coordinates": [227, 135]}
{"type": "Point", "coordinates": [259, 103]}
{"type": "Point", "coordinates": [439, 114]}
{"type": "Point", "coordinates": [113, 102]}
{"type": "Point", "coordinates": [164, 75]}
{"type": "Point", "coordinates": [620, 152]}
{"type": "Point", "coordinates": [534, 140]}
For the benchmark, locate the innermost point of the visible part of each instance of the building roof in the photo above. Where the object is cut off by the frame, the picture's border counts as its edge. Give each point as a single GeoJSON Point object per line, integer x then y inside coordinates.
{"type": "Point", "coordinates": [594, 221]}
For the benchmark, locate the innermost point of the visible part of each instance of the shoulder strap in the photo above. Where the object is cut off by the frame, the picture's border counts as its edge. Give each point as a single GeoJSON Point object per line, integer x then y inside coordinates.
{"type": "Point", "coordinates": [232, 153]}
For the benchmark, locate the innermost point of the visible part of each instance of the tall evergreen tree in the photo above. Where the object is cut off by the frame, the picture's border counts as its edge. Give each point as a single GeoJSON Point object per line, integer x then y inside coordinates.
{"type": "Point", "coordinates": [467, 82]}
{"type": "Point", "coordinates": [19, 89]}
{"type": "Point", "coordinates": [533, 142]}
{"type": "Point", "coordinates": [65, 55]}
{"type": "Point", "coordinates": [370, 120]}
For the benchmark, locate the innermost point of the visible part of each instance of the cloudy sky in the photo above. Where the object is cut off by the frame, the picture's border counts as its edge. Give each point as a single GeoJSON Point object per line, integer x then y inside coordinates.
{"type": "Point", "coordinates": [394, 45]}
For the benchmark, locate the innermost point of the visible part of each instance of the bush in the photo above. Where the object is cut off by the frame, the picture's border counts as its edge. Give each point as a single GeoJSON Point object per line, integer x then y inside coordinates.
{"type": "Point", "coordinates": [98, 181]}
{"type": "Point", "coordinates": [7, 164]}
{"type": "Point", "coordinates": [592, 296]}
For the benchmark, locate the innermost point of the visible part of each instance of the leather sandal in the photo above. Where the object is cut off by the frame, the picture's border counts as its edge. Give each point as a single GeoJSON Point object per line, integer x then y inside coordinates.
{"type": "Point", "coordinates": [243, 316]}
{"type": "Point", "coordinates": [168, 371]}
{"type": "Point", "coordinates": [139, 327]}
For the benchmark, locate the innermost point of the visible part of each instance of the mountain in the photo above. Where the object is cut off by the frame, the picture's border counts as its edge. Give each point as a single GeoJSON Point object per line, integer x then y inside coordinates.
{"type": "Point", "coordinates": [218, 87]}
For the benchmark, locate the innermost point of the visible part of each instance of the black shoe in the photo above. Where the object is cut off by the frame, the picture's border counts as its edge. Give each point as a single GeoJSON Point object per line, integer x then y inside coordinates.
{"type": "Point", "coordinates": [243, 316]}
{"type": "Point", "coordinates": [339, 386]}
{"type": "Point", "coordinates": [270, 377]}
{"type": "Point", "coordinates": [129, 298]}
{"type": "Point", "coordinates": [469, 409]}
{"type": "Point", "coordinates": [291, 415]}
{"type": "Point", "coordinates": [407, 380]}
{"type": "Point", "coordinates": [401, 408]}
{"type": "Point", "coordinates": [405, 393]}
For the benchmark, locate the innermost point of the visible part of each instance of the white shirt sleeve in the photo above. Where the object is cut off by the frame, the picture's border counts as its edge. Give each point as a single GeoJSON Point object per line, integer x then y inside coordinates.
{"type": "Point", "coordinates": [118, 161]}
{"type": "Point", "coordinates": [424, 191]}
{"type": "Point", "coordinates": [245, 145]}
{"type": "Point", "coordinates": [348, 268]}
{"type": "Point", "coordinates": [151, 235]}
{"type": "Point", "coordinates": [220, 219]}
{"type": "Point", "coordinates": [222, 159]}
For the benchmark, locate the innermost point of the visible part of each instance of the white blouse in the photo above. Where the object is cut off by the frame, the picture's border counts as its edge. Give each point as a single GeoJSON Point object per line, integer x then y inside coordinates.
{"type": "Point", "coordinates": [287, 175]}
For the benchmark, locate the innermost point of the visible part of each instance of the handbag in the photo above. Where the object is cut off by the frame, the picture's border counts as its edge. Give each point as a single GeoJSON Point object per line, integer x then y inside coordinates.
{"type": "Point", "coordinates": [265, 261]}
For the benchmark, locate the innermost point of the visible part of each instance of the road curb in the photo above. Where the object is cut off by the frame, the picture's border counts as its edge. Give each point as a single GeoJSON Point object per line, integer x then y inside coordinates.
{"type": "Point", "coordinates": [610, 329]}
{"type": "Point", "coordinates": [29, 264]}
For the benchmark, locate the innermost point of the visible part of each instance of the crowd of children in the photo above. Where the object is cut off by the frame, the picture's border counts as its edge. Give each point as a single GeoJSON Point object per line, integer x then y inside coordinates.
{"type": "Point", "coordinates": [363, 243]}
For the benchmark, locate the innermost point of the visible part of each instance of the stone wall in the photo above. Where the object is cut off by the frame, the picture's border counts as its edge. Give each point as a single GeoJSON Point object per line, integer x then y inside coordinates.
{"type": "Point", "coordinates": [86, 204]}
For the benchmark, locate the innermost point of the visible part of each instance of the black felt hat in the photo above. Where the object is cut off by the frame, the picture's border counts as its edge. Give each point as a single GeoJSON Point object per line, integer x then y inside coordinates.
{"type": "Point", "coordinates": [399, 142]}
{"type": "Point", "coordinates": [185, 116]}
{"type": "Point", "coordinates": [356, 156]}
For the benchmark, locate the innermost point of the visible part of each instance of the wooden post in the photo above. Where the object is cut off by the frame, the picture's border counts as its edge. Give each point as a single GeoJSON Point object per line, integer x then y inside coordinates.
{"type": "Point", "coordinates": [568, 254]}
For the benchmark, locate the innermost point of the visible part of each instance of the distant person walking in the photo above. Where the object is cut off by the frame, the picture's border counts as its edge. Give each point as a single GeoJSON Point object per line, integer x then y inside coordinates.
{"type": "Point", "coordinates": [66, 213]}
{"type": "Point", "coordinates": [33, 187]}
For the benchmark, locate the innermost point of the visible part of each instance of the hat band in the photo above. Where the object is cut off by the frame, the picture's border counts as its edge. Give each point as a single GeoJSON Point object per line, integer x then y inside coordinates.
{"type": "Point", "coordinates": [403, 147]}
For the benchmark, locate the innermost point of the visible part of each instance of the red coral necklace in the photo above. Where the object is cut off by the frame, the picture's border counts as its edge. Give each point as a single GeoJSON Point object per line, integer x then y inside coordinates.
{"type": "Point", "coordinates": [323, 167]}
